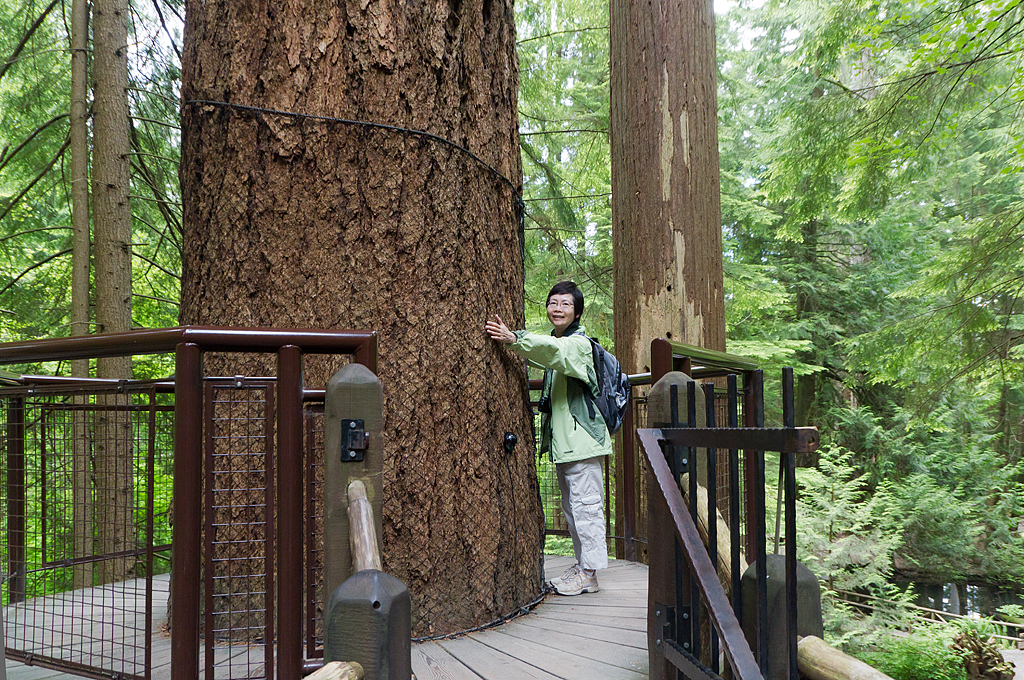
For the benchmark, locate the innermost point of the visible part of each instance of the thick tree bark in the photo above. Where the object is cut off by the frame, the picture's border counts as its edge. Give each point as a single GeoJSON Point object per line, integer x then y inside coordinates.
{"type": "Point", "coordinates": [80, 257]}
{"type": "Point", "coordinates": [112, 227]}
{"type": "Point", "coordinates": [305, 223]}
{"type": "Point", "coordinates": [665, 190]}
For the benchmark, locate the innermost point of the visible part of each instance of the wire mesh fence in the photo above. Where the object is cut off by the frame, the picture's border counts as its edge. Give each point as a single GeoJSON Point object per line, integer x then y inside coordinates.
{"type": "Point", "coordinates": [86, 488]}
{"type": "Point", "coordinates": [313, 417]}
{"type": "Point", "coordinates": [238, 547]}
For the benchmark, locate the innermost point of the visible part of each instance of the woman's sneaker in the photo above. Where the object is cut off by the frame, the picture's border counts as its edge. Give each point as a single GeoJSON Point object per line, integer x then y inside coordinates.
{"type": "Point", "coordinates": [580, 582]}
{"type": "Point", "coordinates": [566, 575]}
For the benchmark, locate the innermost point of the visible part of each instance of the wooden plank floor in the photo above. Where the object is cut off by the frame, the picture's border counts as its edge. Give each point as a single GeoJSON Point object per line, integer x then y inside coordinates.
{"type": "Point", "coordinates": [595, 635]}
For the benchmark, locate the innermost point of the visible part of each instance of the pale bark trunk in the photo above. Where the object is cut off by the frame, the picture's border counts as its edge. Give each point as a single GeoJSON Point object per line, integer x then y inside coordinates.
{"type": "Point", "coordinates": [666, 215]}
{"type": "Point", "coordinates": [82, 466]}
{"type": "Point", "coordinates": [664, 147]}
{"type": "Point", "coordinates": [297, 222]}
{"type": "Point", "coordinates": [112, 220]}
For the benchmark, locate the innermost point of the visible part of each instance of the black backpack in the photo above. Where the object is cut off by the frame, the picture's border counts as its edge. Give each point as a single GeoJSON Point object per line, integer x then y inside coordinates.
{"type": "Point", "coordinates": [613, 388]}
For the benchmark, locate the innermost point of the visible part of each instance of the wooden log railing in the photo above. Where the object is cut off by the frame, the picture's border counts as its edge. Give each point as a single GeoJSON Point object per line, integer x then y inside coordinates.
{"type": "Point", "coordinates": [362, 532]}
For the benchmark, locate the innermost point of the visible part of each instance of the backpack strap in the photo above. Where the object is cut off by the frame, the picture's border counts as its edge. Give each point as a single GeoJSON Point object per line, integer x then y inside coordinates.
{"type": "Point", "coordinates": [587, 398]}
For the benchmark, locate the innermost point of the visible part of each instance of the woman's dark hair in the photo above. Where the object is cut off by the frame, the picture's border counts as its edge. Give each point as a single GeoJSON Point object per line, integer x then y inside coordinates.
{"type": "Point", "coordinates": [569, 288]}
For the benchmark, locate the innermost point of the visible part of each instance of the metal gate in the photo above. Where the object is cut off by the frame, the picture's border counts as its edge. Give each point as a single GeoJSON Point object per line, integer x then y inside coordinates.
{"type": "Point", "coordinates": [86, 492]}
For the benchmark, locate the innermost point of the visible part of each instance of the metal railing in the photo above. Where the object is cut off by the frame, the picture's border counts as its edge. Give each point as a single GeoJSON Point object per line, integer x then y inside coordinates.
{"type": "Point", "coordinates": [205, 428]}
{"type": "Point", "coordinates": [685, 589]}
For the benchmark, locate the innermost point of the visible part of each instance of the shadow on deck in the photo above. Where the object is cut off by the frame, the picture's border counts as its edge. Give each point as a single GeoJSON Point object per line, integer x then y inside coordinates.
{"type": "Point", "coordinates": [596, 635]}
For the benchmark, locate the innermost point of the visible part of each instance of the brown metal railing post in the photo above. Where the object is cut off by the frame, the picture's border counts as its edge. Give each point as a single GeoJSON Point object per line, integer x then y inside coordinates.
{"type": "Point", "coordinates": [789, 469]}
{"type": "Point", "coordinates": [661, 359]}
{"type": "Point", "coordinates": [187, 532]}
{"type": "Point", "coordinates": [752, 395]}
{"type": "Point", "coordinates": [628, 472]}
{"type": "Point", "coordinates": [289, 518]}
{"type": "Point", "coordinates": [18, 581]}
{"type": "Point", "coordinates": [661, 591]}
{"type": "Point", "coordinates": [367, 353]}
{"type": "Point", "coordinates": [756, 519]}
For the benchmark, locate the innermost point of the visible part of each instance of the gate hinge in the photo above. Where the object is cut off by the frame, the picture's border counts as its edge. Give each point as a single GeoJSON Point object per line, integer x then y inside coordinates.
{"type": "Point", "coordinates": [354, 440]}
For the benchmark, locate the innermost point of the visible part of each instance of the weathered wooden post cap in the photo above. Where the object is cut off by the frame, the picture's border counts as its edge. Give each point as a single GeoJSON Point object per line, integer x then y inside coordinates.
{"type": "Point", "coordinates": [808, 611]}
{"type": "Point", "coordinates": [369, 620]}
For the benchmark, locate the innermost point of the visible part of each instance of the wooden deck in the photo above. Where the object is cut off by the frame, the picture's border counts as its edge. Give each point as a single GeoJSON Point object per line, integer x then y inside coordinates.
{"type": "Point", "coordinates": [595, 635]}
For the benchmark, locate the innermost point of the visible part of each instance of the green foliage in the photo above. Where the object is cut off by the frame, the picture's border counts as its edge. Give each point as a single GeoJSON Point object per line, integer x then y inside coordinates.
{"type": "Point", "coordinates": [936, 526]}
{"type": "Point", "coordinates": [1012, 612]}
{"type": "Point", "coordinates": [924, 655]}
{"type": "Point", "coordinates": [558, 545]}
{"type": "Point", "coordinates": [35, 201]}
{"type": "Point", "coordinates": [563, 112]}
{"type": "Point", "coordinates": [871, 158]}
{"type": "Point", "coordinates": [848, 533]}
{"type": "Point", "coordinates": [847, 530]}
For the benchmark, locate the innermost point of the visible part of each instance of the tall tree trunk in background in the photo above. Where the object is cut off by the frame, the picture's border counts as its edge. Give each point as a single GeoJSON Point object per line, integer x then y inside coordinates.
{"type": "Point", "coordinates": [805, 255]}
{"type": "Point", "coordinates": [304, 223]}
{"type": "Point", "coordinates": [82, 466]}
{"type": "Point", "coordinates": [112, 221]}
{"type": "Point", "coordinates": [665, 195]}
{"type": "Point", "coordinates": [666, 216]}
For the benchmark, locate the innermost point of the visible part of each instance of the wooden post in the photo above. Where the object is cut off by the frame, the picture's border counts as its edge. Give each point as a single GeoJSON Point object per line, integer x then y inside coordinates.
{"type": "Point", "coordinates": [819, 661]}
{"type": "Point", "coordinates": [354, 393]}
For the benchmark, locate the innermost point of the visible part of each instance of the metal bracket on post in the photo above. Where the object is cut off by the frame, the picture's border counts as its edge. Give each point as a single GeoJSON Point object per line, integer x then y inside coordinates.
{"type": "Point", "coordinates": [665, 622]}
{"type": "Point", "coordinates": [354, 440]}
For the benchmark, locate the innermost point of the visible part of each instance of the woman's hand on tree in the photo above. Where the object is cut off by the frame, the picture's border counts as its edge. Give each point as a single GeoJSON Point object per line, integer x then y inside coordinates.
{"type": "Point", "coordinates": [497, 329]}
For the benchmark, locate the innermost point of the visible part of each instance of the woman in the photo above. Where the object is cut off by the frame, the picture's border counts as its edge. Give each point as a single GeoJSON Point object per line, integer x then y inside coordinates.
{"type": "Point", "coordinates": [574, 439]}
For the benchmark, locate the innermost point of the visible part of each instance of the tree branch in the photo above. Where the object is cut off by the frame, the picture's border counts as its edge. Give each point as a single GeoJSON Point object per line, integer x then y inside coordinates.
{"type": "Point", "coordinates": [25, 38]}
{"type": "Point", "coordinates": [158, 299]}
{"type": "Point", "coordinates": [31, 231]}
{"type": "Point", "coordinates": [5, 159]}
{"type": "Point", "coordinates": [559, 132]}
{"type": "Point", "coordinates": [142, 257]}
{"type": "Point", "coordinates": [17, 199]}
{"type": "Point", "coordinates": [160, 15]}
{"type": "Point", "coordinates": [548, 35]}
{"type": "Point", "coordinates": [35, 266]}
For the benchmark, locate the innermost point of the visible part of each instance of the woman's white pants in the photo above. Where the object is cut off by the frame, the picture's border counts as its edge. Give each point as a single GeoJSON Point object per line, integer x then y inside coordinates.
{"type": "Point", "coordinates": [582, 487]}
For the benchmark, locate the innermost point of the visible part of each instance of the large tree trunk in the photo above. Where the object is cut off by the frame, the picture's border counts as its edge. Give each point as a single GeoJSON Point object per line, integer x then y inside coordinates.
{"type": "Point", "coordinates": [112, 227]}
{"type": "Point", "coordinates": [665, 193]}
{"type": "Point", "coordinates": [305, 223]}
{"type": "Point", "coordinates": [82, 511]}
{"type": "Point", "coordinates": [666, 214]}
